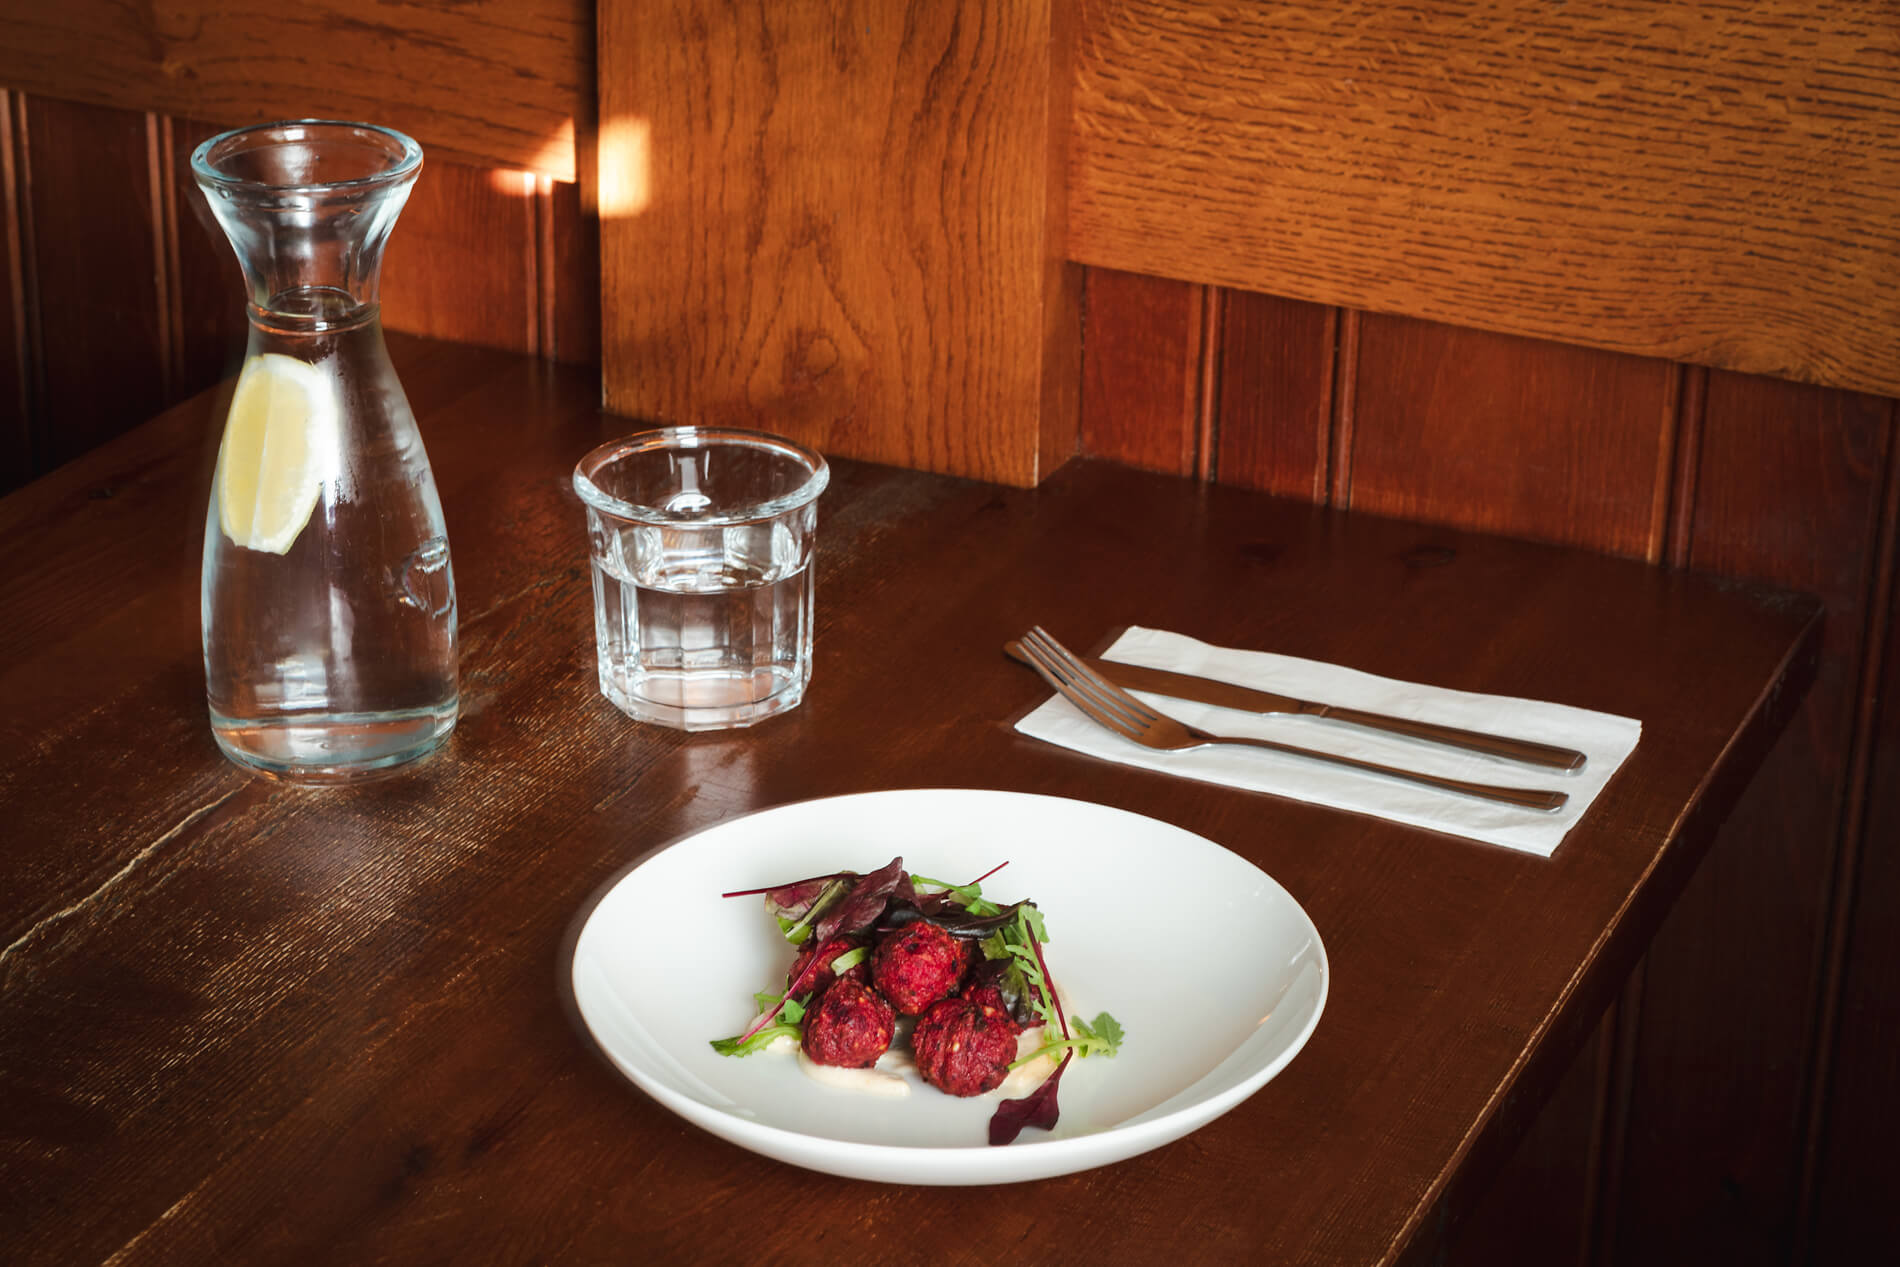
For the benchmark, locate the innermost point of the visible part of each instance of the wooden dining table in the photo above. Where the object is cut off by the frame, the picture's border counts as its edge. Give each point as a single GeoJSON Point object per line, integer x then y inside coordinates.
{"type": "Point", "coordinates": [247, 1021]}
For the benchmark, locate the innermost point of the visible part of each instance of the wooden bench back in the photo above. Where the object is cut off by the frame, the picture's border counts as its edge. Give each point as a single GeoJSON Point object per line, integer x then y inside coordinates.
{"type": "Point", "coordinates": [859, 224]}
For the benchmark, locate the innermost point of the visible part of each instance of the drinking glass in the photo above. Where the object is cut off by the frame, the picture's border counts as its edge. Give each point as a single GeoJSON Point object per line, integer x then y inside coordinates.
{"type": "Point", "coordinates": [701, 540]}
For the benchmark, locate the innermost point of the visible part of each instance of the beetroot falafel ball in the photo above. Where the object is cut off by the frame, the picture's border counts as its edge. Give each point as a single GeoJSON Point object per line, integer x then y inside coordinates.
{"type": "Point", "coordinates": [830, 950]}
{"type": "Point", "coordinates": [964, 1044]}
{"type": "Point", "coordinates": [850, 1027]}
{"type": "Point", "coordinates": [918, 964]}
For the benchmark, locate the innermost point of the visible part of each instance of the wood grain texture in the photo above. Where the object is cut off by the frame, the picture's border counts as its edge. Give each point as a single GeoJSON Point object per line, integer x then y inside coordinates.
{"type": "Point", "coordinates": [568, 266]}
{"type": "Point", "coordinates": [461, 263]}
{"type": "Point", "coordinates": [1274, 420]}
{"type": "Point", "coordinates": [842, 222]}
{"type": "Point", "coordinates": [98, 306]}
{"type": "Point", "coordinates": [1511, 435]}
{"type": "Point", "coordinates": [16, 435]}
{"type": "Point", "coordinates": [1141, 371]}
{"type": "Point", "coordinates": [146, 304]}
{"type": "Point", "coordinates": [498, 82]}
{"type": "Point", "coordinates": [1697, 181]}
{"type": "Point", "coordinates": [1789, 485]}
{"type": "Point", "coordinates": [280, 1025]}
{"type": "Point", "coordinates": [1850, 1213]}
{"type": "Point", "coordinates": [208, 288]}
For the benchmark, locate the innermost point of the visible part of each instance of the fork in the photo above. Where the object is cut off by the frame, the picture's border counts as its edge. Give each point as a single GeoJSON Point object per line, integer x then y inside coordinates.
{"type": "Point", "coordinates": [1120, 712]}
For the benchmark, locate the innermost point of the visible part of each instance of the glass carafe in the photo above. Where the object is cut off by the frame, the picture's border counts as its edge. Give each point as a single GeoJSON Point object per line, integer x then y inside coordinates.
{"type": "Point", "coordinates": [328, 599]}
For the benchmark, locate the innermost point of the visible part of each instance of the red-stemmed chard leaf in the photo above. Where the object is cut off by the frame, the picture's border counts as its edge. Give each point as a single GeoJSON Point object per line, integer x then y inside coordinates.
{"type": "Point", "coordinates": [794, 901]}
{"type": "Point", "coordinates": [799, 985]}
{"type": "Point", "coordinates": [1039, 1107]}
{"type": "Point", "coordinates": [861, 907]}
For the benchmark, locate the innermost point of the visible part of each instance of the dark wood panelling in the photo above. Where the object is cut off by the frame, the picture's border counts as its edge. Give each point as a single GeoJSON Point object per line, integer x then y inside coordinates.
{"type": "Point", "coordinates": [1788, 487]}
{"type": "Point", "coordinates": [16, 439]}
{"type": "Point", "coordinates": [1142, 370]}
{"type": "Point", "coordinates": [568, 266]}
{"type": "Point", "coordinates": [1510, 435]}
{"type": "Point", "coordinates": [461, 261]}
{"type": "Point", "coordinates": [1851, 1216]}
{"type": "Point", "coordinates": [123, 295]}
{"type": "Point", "coordinates": [96, 263]}
{"type": "Point", "coordinates": [1275, 411]}
{"type": "Point", "coordinates": [210, 327]}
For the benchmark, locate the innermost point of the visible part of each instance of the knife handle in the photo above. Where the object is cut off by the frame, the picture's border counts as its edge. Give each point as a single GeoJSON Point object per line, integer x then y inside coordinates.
{"type": "Point", "coordinates": [1477, 741]}
{"type": "Point", "coordinates": [1529, 797]}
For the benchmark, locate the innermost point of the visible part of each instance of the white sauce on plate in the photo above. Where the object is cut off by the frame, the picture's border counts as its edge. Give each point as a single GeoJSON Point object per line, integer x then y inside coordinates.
{"type": "Point", "coordinates": [881, 1079]}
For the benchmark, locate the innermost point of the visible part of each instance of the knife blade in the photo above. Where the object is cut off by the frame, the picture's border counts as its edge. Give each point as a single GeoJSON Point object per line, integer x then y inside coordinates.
{"type": "Point", "coordinates": [1135, 677]}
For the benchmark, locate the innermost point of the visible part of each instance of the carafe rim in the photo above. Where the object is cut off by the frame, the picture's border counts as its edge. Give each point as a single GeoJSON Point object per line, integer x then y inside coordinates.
{"type": "Point", "coordinates": [406, 154]}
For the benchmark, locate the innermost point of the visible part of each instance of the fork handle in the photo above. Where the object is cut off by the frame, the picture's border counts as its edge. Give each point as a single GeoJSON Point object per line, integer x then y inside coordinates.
{"type": "Point", "coordinates": [1529, 798]}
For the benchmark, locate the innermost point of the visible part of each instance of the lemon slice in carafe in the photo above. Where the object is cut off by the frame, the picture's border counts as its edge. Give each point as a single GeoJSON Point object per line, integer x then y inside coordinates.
{"type": "Point", "coordinates": [277, 439]}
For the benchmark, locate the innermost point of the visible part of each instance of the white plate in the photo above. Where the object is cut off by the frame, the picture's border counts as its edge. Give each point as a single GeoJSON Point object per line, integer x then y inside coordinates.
{"type": "Point", "coordinates": [1215, 973]}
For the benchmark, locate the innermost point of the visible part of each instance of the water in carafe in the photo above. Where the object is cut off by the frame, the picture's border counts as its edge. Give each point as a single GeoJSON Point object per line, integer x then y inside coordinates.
{"type": "Point", "coordinates": [328, 596]}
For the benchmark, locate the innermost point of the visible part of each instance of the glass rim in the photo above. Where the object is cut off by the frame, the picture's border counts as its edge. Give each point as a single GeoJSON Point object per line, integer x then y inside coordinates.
{"type": "Point", "coordinates": [407, 153]}
{"type": "Point", "coordinates": [818, 474]}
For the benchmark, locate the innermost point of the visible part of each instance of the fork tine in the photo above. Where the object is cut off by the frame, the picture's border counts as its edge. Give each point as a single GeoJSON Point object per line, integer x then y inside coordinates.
{"type": "Point", "coordinates": [1080, 680]}
{"type": "Point", "coordinates": [1095, 682]}
{"type": "Point", "coordinates": [1065, 686]}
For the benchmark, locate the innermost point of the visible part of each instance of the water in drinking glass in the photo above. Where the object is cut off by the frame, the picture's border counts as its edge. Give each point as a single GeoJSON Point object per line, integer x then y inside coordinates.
{"type": "Point", "coordinates": [701, 544]}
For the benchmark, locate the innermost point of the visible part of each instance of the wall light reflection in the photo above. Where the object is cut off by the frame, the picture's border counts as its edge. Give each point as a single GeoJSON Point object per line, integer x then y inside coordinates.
{"type": "Point", "coordinates": [626, 166]}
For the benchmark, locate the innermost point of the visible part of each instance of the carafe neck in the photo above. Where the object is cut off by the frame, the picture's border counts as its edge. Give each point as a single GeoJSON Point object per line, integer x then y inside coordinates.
{"type": "Point", "coordinates": [308, 207]}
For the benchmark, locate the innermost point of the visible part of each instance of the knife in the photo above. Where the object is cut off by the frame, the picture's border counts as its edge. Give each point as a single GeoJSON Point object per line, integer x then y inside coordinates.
{"type": "Point", "coordinates": [1135, 677]}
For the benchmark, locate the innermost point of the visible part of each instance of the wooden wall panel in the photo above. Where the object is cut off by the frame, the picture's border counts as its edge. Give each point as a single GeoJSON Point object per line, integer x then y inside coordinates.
{"type": "Point", "coordinates": [208, 290]}
{"type": "Point", "coordinates": [1509, 435]}
{"type": "Point", "coordinates": [569, 269]}
{"type": "Point", "coordinates": [461, 262]}
{"type": "Point", "coordinates": [1699, 182]}
{"type": "Point", "coordinates": [842, 222]}
{"type": "Point", "coordinates": [1788, 483]}
{"type": "Point", "coordinates": [1142, 371]}
{"type": "Point", "coordinates": [1851, 1215]}
{"type": "Point", "coordinates": [16, 437]}
{"type": "Point", "coordinates": [93, 220]}
{"type": "Point", "coordinates": [1274, 420]}
{"type": "Point", "coordinates": [123, 295]}
{"type": "Point", "coordinates": [497, 82]}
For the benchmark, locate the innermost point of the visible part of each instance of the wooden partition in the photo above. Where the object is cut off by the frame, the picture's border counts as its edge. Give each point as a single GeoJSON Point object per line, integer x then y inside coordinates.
{"type": "Point", "coordinates": [842, 222]}
{"type": "Point", "coordinates": [845, 222]}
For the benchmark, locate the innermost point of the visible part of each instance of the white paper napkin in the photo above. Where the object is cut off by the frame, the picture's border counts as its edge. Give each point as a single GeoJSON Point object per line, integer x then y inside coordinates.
{"type": "Point", "coordinates": [1606, 741]}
